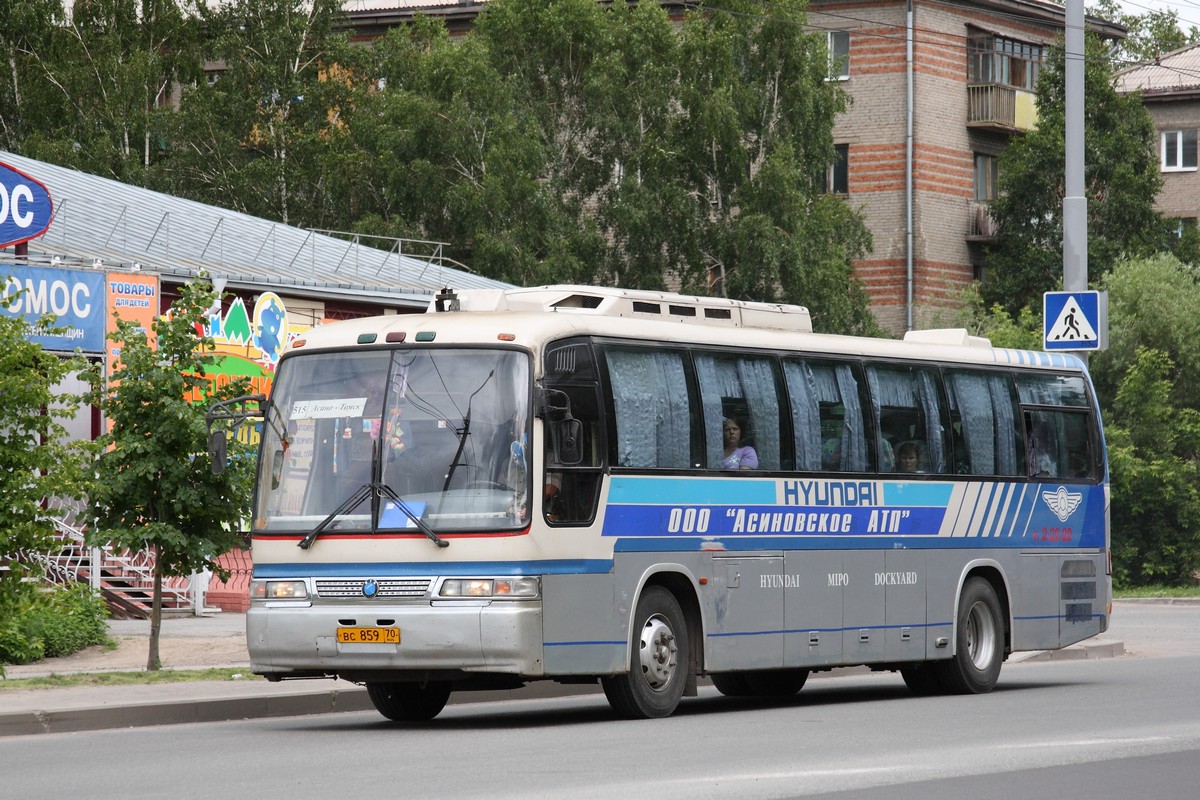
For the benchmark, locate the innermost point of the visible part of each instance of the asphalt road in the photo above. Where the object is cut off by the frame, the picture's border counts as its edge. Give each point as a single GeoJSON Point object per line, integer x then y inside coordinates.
{"type": "Point", "coordinates": [1116, 727]}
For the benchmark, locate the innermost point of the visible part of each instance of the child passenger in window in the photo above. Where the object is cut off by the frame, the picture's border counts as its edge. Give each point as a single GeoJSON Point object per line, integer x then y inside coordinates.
{"type": "Point", "coordinates": [737, 455]}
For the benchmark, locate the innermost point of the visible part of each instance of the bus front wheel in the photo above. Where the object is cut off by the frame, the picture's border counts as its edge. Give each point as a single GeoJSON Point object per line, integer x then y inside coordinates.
{"type": "Point", "coordinates": [659, 660]}
{"type": "Point", "coordinates": [409, 701]}
{"type": "Point", "coordinates": [979, 645]}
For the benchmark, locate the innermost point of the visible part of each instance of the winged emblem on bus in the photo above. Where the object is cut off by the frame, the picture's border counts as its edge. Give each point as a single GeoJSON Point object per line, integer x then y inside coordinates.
{"type": "Point", "coordinates": [1062, 502]}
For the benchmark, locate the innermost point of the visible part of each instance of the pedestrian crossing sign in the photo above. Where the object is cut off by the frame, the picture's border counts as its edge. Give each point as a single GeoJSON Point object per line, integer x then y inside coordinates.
{"type": "Point", "coordinates": [1074, 321]}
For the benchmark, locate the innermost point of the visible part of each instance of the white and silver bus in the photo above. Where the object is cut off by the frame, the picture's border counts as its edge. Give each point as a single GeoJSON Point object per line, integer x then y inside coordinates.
{"type": "Point", "coordinates": [642, 489]}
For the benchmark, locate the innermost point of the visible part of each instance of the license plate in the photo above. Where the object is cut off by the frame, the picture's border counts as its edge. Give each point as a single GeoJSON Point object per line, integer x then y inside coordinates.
{"type": "Point", "coordinates": [368, 635]}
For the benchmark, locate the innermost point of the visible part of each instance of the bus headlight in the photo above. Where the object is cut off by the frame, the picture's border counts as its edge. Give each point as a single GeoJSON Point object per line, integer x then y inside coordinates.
{"type": "Point", "coordinates": [278, 590]}
{"type": "Point", "coordinates": [489, 587]}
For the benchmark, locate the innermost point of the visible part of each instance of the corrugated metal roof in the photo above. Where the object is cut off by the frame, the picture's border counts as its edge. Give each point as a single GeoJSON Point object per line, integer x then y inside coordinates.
{"type": "Point", "coordinates": [1177, 72]}
{"type": "Point", "coordinates": [133, 228]}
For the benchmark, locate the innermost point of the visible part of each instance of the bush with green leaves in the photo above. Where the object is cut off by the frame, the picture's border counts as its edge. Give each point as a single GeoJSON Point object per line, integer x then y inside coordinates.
{"type": "Point", "coordinates": [52, 624]}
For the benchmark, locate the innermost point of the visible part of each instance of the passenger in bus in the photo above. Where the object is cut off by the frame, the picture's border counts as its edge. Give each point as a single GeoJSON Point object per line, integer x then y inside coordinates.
{"type": "Point", "coordinates": [1043, 462]}
{"type": "Point", "coordinates": [737, 454]}
{"type": "Point", "coordinates": [908, 458]}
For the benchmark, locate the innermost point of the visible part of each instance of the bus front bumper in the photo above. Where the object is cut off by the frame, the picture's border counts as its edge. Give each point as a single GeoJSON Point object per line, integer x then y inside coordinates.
{"type": "Point", "coordinates": [470, 636]}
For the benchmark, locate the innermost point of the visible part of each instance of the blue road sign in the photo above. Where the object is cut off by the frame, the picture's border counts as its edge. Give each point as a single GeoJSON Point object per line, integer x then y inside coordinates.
{"type": "Point", "coordinates": [1073, 321]}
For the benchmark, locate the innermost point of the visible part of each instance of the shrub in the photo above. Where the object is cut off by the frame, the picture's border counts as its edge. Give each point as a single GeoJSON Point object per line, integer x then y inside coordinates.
{"type": "Point", "coordinates": [56, 624]}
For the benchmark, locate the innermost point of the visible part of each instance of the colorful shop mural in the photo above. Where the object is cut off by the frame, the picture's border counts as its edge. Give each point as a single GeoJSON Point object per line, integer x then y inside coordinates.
{"type": "Point", "coordinates": [249, 344]}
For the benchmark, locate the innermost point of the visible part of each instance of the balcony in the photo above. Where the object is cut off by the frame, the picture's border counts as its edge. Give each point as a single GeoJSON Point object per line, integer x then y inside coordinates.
{"type": "Point", "coordinates": [996, 107]}
{"type": "Point", "coordinates": [982, 228]}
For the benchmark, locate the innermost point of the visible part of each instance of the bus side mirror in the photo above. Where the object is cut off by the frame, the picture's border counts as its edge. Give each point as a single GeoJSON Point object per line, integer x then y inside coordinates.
{"type": "Point", "coordinates": [217, 444]}
{"type": "Point", "coordinates": [568, 448]}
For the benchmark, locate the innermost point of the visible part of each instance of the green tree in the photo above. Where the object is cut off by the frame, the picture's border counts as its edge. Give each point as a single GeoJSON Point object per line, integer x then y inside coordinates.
{"type": "Point", "coordinates": [1151, 34]}
{"type": "Point", "coordinates": [27, 28]}
{"type": "Point", "coordinates": [1153, 449]}
{"type": "Point", "coordinates": [37, 461]}
{"type": "Point", "coordinates": [155, 489]}
{"type": "Point", "coordinates": [1153, 303]}
{"type": "Point", "coordinates": [1002, 329]}
{"type": "Point", "coordinates": [264, 137]}
{"type": "Point", "coordinates": [1121, 180]}
{"type": "Point", "coordinates": [105, 74]}
{"type": "Point", "coordinates": [564, 140]}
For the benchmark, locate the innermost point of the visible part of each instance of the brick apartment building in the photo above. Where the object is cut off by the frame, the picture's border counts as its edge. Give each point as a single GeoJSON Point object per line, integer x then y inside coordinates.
{"type": "Point", "coordinates": [1170, 90]}
{"type": "Point", "coordinates": [958, 74]}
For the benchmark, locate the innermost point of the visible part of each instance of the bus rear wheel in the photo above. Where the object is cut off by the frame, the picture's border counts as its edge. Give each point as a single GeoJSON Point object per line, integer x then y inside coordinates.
{"type": "Point", "coordinates": [409, 701]}
{"type": "Point", "coordinates": [731, 684]}
{"type": "Point", "coordinates": [921, 679]}
{"type": "Point", "coordinates": [776, 682]}
{"type": "Point", "coordinates": [979, 644]}
{"type": "Point", "coordinates": [659, 660]}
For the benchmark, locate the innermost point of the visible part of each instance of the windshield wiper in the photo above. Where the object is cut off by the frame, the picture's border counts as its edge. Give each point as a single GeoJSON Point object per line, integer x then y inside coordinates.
{"type": "Point", "coordinates": [367, 492]}
{"type": "Point", "coordinates": [463, 434]}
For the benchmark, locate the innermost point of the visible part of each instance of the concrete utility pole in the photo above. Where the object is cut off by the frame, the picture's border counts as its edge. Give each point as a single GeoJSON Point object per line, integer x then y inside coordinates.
{"type": "Point", "coordinates": [1075, 270]}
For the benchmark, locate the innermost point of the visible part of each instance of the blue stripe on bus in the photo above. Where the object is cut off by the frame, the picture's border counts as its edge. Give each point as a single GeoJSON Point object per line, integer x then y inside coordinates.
{"type": "Point", "coordinates": [405, 568]}
{"type": "Point", "coordinates": [873, 521]}
{"type": "Point", "coordinates": [615, 643]}
{"type": "Point", "coordinates": [849, 628]}
{"type": "Point", "coordinates": [749, 544]}
{"type": "Point", "coordinates": [691, 491]}
{"type": "Point", "coordinates": [917, 494]}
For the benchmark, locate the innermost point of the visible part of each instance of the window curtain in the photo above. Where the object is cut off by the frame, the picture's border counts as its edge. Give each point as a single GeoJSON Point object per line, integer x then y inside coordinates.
{"type": "Point", "coordinates": [758, 384]}
{"type": "Point", "coordinates": [984, 403]}
{"type": "Point", "coordinates": [651, 402]}
{"type": "Point", "coordinates": [718, 378]}
{"type": "Point", "coordinates": [806, 413]}
{"type": "Point", "coordinates": [854, 434]}
{"type": "Point", "coordinates": [931, 407]}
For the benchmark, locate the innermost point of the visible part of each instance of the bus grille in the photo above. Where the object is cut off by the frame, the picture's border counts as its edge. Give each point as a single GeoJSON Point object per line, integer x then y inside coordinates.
{"type": "Point", "coordinates": [387, 587]}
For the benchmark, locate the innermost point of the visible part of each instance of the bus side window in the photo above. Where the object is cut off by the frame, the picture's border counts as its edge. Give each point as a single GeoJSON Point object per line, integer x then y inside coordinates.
{"type": "Point", "coordinates": [828, 423]}
{"type": "Point", "coordinates": [652, 408]}
{"type": "Point", "coordinates": [570, 491]}
{"type": "Point", "coordinates": [1056, 427]}
{"type": "Point", "coordinates": [743, 390]}
{"type": "Point", "coordinates": [909, 406]}
{"type": "Point", "coordinates": [989, 438]}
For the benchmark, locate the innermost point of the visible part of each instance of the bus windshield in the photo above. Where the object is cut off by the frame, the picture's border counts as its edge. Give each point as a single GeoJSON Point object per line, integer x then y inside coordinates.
{"type": "Point", "coordinates": [385, 438]}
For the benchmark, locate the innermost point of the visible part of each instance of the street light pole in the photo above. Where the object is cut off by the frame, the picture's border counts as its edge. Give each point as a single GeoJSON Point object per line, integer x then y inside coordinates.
{"type": "Point", "coordinates": [1075, 272]}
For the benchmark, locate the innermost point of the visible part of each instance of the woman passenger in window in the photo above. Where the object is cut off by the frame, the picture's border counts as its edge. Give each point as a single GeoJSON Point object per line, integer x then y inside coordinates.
{"type": "Point", "coordinates": [737, 455]}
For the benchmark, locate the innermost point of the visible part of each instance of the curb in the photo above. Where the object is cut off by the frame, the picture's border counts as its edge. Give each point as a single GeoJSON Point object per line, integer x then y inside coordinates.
{"type": "Point", "coordinates": [218, 709]}
{"type": "Point", "coordinates": [1091, 649]}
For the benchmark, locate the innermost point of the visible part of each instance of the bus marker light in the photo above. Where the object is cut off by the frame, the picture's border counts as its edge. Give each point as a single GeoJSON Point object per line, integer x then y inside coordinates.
{"type": "Point", "coordinates": [367, 338]}
{"type": "Point", "coordinates": [426, 336]}
{"type": "Point", "coordinates": [395, 336]}
{"type": "Point", "coordinates": [506, 337]}
{"type": "Point", "coordinates": [299, 343]}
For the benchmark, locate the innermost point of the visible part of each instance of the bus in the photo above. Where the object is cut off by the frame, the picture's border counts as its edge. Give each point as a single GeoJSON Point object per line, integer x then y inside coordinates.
{"type": "Point", "coordinates": [645, 489]}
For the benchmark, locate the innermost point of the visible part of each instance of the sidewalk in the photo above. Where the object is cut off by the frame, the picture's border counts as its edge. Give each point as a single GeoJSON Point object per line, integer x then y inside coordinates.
{"type": "Point", "coordinates": [188, 642]}
{"type": "Point", "coordinates": [219, 640]}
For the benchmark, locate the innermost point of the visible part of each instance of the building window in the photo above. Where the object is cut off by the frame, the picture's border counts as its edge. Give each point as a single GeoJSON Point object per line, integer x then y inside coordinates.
{"type": "Point", "coordinates": [1178, 150]}
{"type": "Point", "coordinates": [987, 173]}
{"type": "Point", "coordinates": [837, 174]}
{"type": "Point", "coordinates": [995, 59]}
{"type": "Point", "coordinates": [838, 43]}
{"type": "Point", "coordinates": [1181, 226]}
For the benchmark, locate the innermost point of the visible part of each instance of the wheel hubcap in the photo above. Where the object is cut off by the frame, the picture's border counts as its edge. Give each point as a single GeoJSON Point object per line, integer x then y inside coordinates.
{"type": "Point", "coordinates": [981, 636]}
{"type": "Point", "coordinates": [658, 653]}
